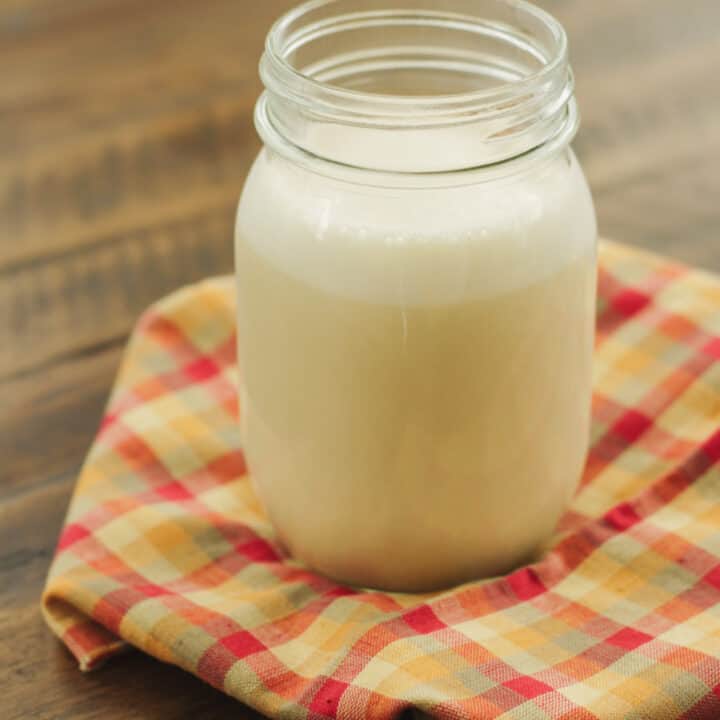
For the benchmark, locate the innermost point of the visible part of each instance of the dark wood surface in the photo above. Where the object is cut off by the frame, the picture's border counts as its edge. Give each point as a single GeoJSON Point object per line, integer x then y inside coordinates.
{"type": "Point", "coordinates": [125, 134]}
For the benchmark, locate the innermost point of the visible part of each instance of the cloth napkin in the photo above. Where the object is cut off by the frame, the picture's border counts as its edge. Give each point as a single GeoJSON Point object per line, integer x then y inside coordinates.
{"type": "Point", "coordinates": [167, 549]}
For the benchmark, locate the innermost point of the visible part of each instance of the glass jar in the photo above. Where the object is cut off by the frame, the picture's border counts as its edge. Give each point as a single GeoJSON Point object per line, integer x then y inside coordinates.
{"type": "Point", "coordinates": [416, 261]}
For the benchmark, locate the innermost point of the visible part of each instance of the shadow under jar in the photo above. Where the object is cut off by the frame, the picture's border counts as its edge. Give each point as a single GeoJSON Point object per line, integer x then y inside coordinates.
{"type": "Point", "coordinates": [416, 263]}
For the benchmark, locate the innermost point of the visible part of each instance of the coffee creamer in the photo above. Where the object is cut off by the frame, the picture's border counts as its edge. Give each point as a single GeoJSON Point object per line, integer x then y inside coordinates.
{"type": "Point", "coordinates": [416, 367]}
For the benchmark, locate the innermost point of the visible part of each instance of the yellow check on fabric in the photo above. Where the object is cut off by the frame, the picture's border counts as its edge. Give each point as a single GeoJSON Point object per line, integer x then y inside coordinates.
{"type": "Point", "coordinates": [166, 548]}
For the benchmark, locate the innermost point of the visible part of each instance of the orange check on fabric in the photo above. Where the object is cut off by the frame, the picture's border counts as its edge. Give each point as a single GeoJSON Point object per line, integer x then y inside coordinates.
{"type": "Point", "coordinates": [166, 547]}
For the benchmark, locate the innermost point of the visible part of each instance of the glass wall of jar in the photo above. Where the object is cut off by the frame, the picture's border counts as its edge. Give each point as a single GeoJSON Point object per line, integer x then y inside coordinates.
{"type": "Point", "coordinates": [416, 251]}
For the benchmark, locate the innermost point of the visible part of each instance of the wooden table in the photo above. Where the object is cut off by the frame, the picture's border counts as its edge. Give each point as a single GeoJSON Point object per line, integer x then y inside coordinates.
{"type": "Point", "coordinates": [125, 133]}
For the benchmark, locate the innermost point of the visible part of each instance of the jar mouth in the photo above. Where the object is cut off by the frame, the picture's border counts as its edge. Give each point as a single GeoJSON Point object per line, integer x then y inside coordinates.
{"type": "Point", "coordinates": [461, 83]}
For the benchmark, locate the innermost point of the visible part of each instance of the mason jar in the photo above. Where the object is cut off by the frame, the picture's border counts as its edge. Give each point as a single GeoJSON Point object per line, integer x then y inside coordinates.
{"type": "Point", "coordinates": [416, 266]}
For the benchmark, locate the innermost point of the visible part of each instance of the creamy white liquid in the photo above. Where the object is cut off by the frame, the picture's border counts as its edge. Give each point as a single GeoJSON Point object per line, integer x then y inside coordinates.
{"type": "Point", "coordinates": [415, 367]}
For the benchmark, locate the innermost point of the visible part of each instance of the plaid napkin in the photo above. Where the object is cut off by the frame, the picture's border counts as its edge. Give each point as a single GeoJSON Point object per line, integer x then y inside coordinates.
{"type": "Point", "coordinates": [167, 549]}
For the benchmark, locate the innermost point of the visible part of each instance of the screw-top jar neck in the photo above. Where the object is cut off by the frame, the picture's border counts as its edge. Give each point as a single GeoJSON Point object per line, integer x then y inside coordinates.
{"type": "Point", "coordinates": [416, 86]}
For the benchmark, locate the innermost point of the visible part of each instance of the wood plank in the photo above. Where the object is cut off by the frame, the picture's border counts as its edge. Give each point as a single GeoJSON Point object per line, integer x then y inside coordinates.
{"type": "Point", "coordinates": [50, 418]}
{"type": "Point", "coordinates": [649, 138]}
{"type": "Point", "coordinates": [92, 298]}
{"type": "Point", "coordinates": [131, 218]}
{"type": "Point", "coordinates": [125, 180]}
{"type": "Point", "coordinates": [129, 61]}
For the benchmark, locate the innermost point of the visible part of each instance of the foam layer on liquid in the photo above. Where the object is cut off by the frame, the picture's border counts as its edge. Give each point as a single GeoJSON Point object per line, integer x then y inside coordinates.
{"type": "Point", "coordinates": [419, 246]}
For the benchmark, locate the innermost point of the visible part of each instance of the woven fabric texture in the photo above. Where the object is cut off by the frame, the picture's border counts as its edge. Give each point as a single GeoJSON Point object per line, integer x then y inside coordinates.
{"type": "Point", "coordinates": [166, 548]}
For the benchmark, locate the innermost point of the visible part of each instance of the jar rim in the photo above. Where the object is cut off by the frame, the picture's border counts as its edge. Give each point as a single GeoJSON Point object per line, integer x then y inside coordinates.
{"type": "Point", "coordinates": [393, 179]}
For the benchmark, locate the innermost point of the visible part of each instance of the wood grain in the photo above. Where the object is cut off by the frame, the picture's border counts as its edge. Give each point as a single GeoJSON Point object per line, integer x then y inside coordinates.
{"type": "Point", "coordinates": [125, 134]}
